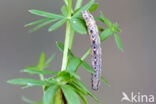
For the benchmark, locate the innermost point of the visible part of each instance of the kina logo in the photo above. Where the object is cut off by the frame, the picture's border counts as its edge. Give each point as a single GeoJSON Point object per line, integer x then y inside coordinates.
{"type": "Point", "coordinates": [138, 98]}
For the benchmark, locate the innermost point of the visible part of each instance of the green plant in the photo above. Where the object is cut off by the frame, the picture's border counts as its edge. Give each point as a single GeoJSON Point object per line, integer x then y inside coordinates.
{"type": "Point", "coordinates": [65, 87]}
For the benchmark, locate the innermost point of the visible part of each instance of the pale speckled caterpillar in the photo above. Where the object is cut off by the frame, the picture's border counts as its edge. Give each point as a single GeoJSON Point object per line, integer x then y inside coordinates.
{"type": "Point", "coordinates": [96, 49]}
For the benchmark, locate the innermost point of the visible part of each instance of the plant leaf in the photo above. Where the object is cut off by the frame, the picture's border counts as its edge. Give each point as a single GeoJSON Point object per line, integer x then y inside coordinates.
{"type": "Point", "coordinates": [41, 60]}
{"type": "Point", "coordinates": [80, 92]}
{"type": "Point", "coordinates": [80, 84]}
{"type": "Point", "coordinates": [85, 7]}
{"type": "Point", "coordinates": [75, 75]}
{"type": "Point", "coordinates": [106, 34]}
{"type": "Point", "coordinates": [70, 95]}
{"type": "Point", "coordinates": [83, 98]}
{"type": "Point", "coordinates": [105, 81]}
{"type": "Point", "coordinates": [87, 67]}
{"type": "Point", "coordinates": [78, 88]}
{"type": "Point", "coordinates": [118, 41]}
{"type": "Point", "coordinates": [28, 82]}
{"type": "Point", "coordinates": [105, 20]}
{"type": "Point", "coordinates": [78, 4]}
{"type": "Point", "coordinates": [42, 25]}
{"type": "Point", "coordinates": [78, 25]}
{"type": "Point", "coordinates": [37, 22]}
{"type": "Point", "coordinates": [36, 71]}
{"type": "Point", "coordinates": [45, 14]}
{"type": "Point", "coordinates": [50, 59]}
{"type": "Point", "coordinates": [61, 48]}
{"type": "Point", "coordinates": [93, 7]}
{"type": "Point", "coordinates": [49, 94]}
{"type": "Point", "coordinates": [64, 10]}
{"type": "Point", "coordinates": [57, 24]}
{"type": "Point", "coordinates": [73, 64]}
{"type": "Point", "coordinates": [66, 2]}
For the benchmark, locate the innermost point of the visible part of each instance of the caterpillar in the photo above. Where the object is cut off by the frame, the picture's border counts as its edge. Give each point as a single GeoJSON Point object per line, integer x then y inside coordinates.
{"type": "Point", "coordinates": [95, 46]}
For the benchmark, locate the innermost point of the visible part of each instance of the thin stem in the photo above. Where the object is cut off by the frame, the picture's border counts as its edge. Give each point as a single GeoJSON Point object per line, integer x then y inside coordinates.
{"type": "Point", "coordinates": [86, 54]}
{"type": "Point", "coordinates": [71, 39]}
{"type": "Point", "coordinates": [67, 38]}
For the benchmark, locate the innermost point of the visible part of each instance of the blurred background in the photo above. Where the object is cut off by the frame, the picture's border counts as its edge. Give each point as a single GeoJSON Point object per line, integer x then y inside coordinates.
{"type": "Point", "coordinates": [130, 71]}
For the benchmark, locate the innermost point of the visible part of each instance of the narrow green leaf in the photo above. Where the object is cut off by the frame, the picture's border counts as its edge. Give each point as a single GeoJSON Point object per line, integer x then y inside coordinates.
{"type": "Point", "coordinates": [83, 98]}
{"type": "Point", "coordinates": [93, 7]}
{"type": "Point", "coordinates": [98, 19]}
{"type": "Point", "coordinates": [37, 22]}
{"type": "Point", "coordinates": [85, 7]}
{"type": "Point", "coordinates": [29, 101]}
{"type": "Point", "coordinates": [45, 14]}
{"type": "Point", "coordinates": [73, 64]}
{"type": "Point", "coordinates": [78, 25]}
{"type": "Point", "coordinates": [28, 82]}
{"type": "Point", "coordinates": [79, 83]}
{"type": "Point", "coordinates": [93, 96]}
{"type": "Point", "coordinates": [78, 88]}
{"type": "Point", "coordinates": [105, 20]}
{"type": "Point", "coordinates": [32, 67]}
{"type": "Point", "coordinates": [106, 34]}
{"type": "Point", "coordinates": [70, 95]}
{"type": "Point", "coordinates": [57, 24]}
{"type": "Point", "coordinates": [105, 81]}
{"type": "Point", "coordinates": [41, 60]}
{"type": "Point", "coordinates": [49, 94]}
{"type": "Point", "coordinates": [61, 48]}
{"type": "Point", "coordinates": [87, 67]}
{"type": "Point", "coordinates": [66, 2]}
{"type": "Point", "coordinates": [118, 41]}
{"type": "Point", "coordinates": [50, 59]}
{"type": "Point", "coordinates": [36, 71]}
{"type": "Point", "coordinates": [42, 25]}
{"type": "Point", "coordinates": [75, 75]}
{"type": "Point", "coordinates": [78, 4]}
{"type": "Point", "coordinates": [80, 92]}
{"type": "Point", "coordinates": [64, 10]}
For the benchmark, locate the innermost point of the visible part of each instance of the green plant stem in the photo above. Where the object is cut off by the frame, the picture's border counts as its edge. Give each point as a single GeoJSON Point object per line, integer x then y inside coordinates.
{"type": "Point", "coordinates": [86, 54]}
{"type": "Point", "coordinates": [71, 38]}
{"type": "Point", "coordinates": [67, 38]}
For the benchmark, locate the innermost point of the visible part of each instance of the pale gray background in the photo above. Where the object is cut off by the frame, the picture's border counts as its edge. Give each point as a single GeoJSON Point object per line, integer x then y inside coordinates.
{"type": "Point", "coordinates": [132, 70]}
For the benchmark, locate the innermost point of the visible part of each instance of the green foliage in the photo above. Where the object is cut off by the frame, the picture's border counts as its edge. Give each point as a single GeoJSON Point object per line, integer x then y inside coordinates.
{"type": "Point", "coordinates": [105, 81]}
{"type": "Point", "coordinates": [57, 24]}
{"type": "Point", "coordinates": [70, 95]}
{"type": "Point", "coordinates": [45, 14]}
{"type": "Point", "coordinates": [118, 41]}
{"type": "Point", "coordinates": [93, 7]}
{"type": "Point", "coordinates": [85, 7]}
{"type": "Point", "coordinates": [66, 83]}
{"type": "Point", "coordinates": [64, 10]}
{"type": "Point", "coordinates": [50, 94]}
{"type": "Point", "coordinates": [79, 25]}
{"type": "Point", "coordinates": [36, 71]}
{"type": "Point", "coordinates": [28, 82]}
{"type": "Point", "coordinates": [106, 34]}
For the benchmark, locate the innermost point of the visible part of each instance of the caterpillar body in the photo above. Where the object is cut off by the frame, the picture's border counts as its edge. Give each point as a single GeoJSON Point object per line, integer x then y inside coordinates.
{"type": "Point", "coordinates": [96, 49]}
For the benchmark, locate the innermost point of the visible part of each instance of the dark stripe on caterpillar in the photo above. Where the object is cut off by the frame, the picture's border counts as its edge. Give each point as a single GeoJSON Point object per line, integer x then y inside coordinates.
{"type": "Point", "coordinates": [96, 49]}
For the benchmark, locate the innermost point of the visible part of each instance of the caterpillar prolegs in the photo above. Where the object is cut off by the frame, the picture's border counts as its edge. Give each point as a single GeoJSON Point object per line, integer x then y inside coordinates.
{"type": "Point", "coordinates": [96, 49]}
